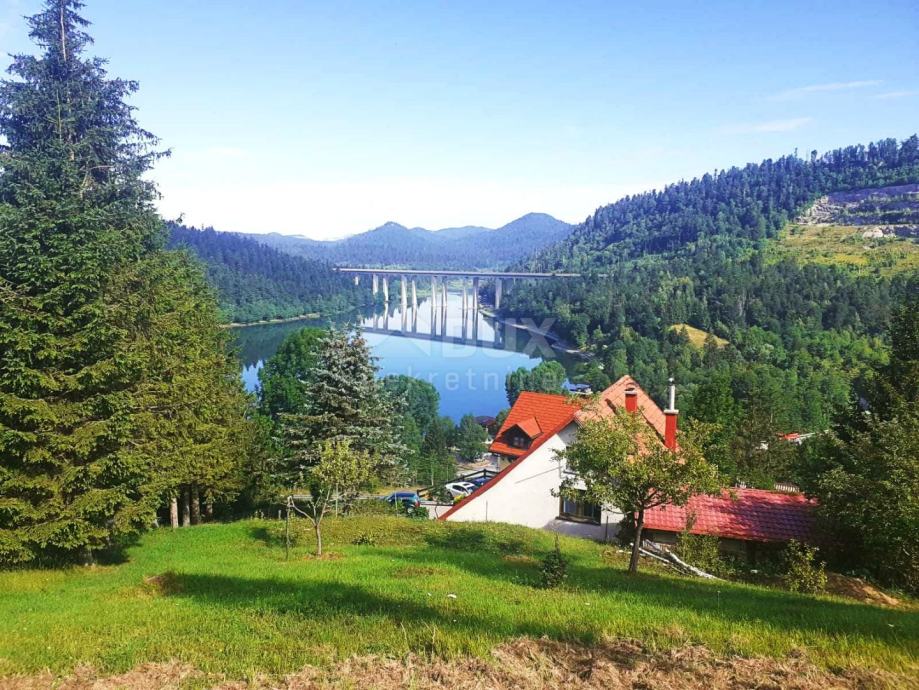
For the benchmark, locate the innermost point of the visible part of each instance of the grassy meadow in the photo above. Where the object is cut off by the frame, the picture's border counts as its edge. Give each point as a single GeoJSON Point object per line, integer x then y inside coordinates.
{"type": "Point", "coordinates": [843, 245]}
{"type": "Point", "coordinates": [223, 599]}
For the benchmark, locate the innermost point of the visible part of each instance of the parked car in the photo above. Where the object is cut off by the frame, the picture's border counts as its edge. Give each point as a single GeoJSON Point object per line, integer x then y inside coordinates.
{"type": "Point", "coordinates": [480, 481]}
{"type": "Point", "coordinates": [460, 489]}
{"type": "Point", "coordinates": [408, 499]}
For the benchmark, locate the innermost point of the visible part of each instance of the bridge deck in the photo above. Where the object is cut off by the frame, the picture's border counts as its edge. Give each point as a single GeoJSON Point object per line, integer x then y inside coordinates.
{"type": "Point", "coordinates": [456, 274]}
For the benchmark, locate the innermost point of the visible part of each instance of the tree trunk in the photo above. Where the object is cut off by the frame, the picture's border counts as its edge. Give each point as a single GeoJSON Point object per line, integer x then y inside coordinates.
{"type": "Point", "coordinates": [639, 525]}
{"type": "Point", "coordinates": [186, 510]}
{"type": "Point", "coordinates": [286, 532]}
{"type": "Point", "coordinates": [174, 512]}
{"type": "Point", "coordinates": [195, 506]}
{"type": "Point", "coordinates": [209, 510]}
{"type": "Point", "coordinates": [318, 539]}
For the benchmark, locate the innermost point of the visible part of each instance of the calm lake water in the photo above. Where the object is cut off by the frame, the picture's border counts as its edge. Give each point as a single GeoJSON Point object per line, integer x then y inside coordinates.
{"type": "Point", "coordinates": [465, 356]}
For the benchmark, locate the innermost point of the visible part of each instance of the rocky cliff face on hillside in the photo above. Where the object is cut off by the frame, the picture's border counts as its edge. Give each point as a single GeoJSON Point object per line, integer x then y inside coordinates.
{"type": "Point", "coordinates": [881, 212]}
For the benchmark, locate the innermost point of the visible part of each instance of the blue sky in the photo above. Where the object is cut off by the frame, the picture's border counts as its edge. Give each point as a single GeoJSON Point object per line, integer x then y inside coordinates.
{"type": "Point", "coordinates": [326, 119]}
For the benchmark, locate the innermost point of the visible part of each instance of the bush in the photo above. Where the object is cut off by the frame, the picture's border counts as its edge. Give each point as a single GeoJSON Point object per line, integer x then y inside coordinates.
{"type": "Point", "coordinates": [365, 539]}
{"type": "Point", "coordinates": [701, 551]}
{"type": "Point", "coordinates": [419, 513]}
{"type": "Point", "coordinates": [803, 572]}
{"type": "Point", "coordinates": [554, 568]}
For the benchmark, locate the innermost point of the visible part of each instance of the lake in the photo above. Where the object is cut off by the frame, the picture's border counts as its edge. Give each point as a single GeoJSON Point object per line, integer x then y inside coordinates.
{"type": "Point", "coordinates": [465, 355]}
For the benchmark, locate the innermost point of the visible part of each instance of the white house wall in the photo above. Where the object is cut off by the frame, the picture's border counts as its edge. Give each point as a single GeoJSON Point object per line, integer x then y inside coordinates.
{"type": "Point", "coordinates": [524, 496]}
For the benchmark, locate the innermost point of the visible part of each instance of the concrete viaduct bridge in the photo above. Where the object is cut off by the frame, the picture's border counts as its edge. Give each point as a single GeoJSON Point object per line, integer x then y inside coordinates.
{"type": "Point", "coordinates": [408, 278]}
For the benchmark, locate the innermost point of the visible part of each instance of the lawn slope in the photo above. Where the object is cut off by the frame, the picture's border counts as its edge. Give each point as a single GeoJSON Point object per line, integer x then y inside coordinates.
{"type": "Point", "coordinates": [223, 600]}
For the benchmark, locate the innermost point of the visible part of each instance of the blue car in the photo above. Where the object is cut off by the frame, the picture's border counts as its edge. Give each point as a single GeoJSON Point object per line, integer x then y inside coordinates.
{"type": "Point", "coordinates": [480, 481]}
{"type": "Point", "coordinates": [409, 499]}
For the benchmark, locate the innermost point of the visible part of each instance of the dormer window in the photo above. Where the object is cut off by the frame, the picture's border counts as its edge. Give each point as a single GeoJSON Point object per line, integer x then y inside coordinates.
{"type": "Point", "coordinates": [523, 433]}
{"type": "Point", "coordinates": [518, 440]}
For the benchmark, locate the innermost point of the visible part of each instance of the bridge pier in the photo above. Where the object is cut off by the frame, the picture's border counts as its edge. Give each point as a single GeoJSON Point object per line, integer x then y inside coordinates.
{"type": "Point", "coordinates": [443, 285]}
{"type": "Point", "coordinates": [376, 284]}
{"type": "Point", "coordinates": [403, 284]}
{"type": "Point", "coordinates": [414, 298]}
{"type": "Point", "coordinates": [498, 287]}
{"type": "Point", "coordinates": [465, 296]}
{"type": "Point", "coordinates": [475, 297]}
{"type": "Point", "coordinates": [386, 289]}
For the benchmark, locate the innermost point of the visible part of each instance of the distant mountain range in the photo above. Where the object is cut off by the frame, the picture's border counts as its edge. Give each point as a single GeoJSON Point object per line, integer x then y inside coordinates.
{"type": "Point", "coordinates": [394, 245]}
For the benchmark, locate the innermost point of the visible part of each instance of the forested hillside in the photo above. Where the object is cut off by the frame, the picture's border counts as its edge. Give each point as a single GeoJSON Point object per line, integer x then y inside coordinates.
{"type": "Point", "coordinates": [799, 333]}
{"type": "Point", "coordinates": [256, 282]}
{"type": "Point", "coordinates": [465, 247]}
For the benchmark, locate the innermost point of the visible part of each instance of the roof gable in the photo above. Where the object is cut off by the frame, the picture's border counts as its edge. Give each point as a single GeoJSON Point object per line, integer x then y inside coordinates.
{"type": "Point", "coordinates": [613, 399]}
{"type": "Point", "coordinates": [533, 413]}
{"type": "Point", "coordinates": [530, 427]}
{"type": "Point", "coordinates": [748, 514]}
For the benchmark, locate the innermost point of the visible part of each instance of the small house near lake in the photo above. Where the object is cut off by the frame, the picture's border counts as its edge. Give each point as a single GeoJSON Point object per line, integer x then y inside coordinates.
{"type": "Point", "coordinates": [525, 491]}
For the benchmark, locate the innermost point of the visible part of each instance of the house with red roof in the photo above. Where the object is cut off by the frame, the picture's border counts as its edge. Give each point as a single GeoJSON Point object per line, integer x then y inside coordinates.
{"type": "Point", "coordinates": [744, 520]}
{"type": "Point", "coordinates": [539, 425]}
{"type": "Point", "coordinates": [525, 492]}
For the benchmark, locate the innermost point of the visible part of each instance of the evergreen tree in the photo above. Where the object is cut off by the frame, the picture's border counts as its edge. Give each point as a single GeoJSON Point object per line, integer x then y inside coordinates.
{"type": "Point", "coordinates": [344, 402]}
{"type": "Point", "coordinates": [437, 464]}
{"type": "Point", "coordinates": [104, 341]}
{"type": "Point", "coordinates": [284, 376]}
{"type": "Point", "coordinates": [865, 472]}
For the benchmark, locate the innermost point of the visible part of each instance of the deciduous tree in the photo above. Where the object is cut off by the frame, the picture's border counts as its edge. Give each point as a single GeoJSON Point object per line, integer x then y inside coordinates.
{"type": "Point", "coordinates": [619, 460]}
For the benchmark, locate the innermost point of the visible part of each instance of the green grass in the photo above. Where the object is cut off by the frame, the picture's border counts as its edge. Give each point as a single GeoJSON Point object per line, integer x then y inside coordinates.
{"type": "Point", "coordinates": [697, 336]}
{"type": "Point", "coordinates": [227, 602]}
{"type": "Point", "coordinates": [843, 245]}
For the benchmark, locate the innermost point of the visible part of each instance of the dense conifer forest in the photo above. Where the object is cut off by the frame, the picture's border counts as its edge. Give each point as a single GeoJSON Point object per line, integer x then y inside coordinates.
{"type": "Point", "coordinates": [801, 337]}
{"type": "Point", "coordinates": [255, 282]}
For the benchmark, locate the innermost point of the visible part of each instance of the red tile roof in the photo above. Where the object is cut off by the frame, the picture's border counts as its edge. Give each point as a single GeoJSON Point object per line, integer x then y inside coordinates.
{"type": "Point", "coordinates": [613, 398]}
{"type": "Point", "coordinates": [553, 413]}
{"type": "Point", "coordinates": [533, 413]}
{"type": "Point", "coordinates": [754, 515]}
{"type": "Point", "coordinates": [530, 427]}
{"type": "Point", "coordinates": [563, 421]}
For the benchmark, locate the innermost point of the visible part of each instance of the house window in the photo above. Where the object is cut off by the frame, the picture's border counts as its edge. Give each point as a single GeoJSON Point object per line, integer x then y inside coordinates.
{"type": "Point", "coordinates": [520, 441]}
{"type": "Point", "coordinates": [579, 510]}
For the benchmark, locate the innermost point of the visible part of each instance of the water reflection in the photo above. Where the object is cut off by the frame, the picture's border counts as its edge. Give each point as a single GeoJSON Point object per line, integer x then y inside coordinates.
{"type": "Point", "coordinates": [465, 354]}
{"type": "Point", "coordinates": [447, 322]}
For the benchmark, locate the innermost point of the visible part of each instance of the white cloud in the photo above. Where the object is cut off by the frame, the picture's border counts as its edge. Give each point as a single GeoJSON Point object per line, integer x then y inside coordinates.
{"type": "Point", "coordinates": [826, 88]}
{"type": "Point", "coordinates": [331, 209]}
{"type": "Point", "coordinates": [892, 95]}
{"type": "Point", "coordinates": [786, 125]}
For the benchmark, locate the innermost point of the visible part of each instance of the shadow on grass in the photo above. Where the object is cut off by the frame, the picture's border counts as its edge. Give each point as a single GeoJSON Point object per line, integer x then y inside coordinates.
{"type": "Point", "coordinates": [329, 602]}
{"type": "Point", "coordinates": [729, 602]}
{"type": "Point", "coordinates": [475, 540]}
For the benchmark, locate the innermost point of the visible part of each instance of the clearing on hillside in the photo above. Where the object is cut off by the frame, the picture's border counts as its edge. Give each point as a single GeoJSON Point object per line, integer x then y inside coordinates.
{"type": "Point", "coordinates": [697, 336]}
{"type": "Point", "coordinates": [873, 231]}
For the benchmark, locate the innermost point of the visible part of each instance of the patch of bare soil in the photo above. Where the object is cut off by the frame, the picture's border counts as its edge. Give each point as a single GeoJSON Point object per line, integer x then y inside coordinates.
{"type": "Point", "coordinates": [856, 588]}
{"type": "Point", "coordinates": [524, 664]}
{"type": "Point", "coordinates": [163, 584]}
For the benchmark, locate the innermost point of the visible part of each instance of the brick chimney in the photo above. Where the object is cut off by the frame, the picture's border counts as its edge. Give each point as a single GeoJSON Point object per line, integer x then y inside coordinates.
{"type": "Point", "coordinates": [670, 417]}
{"type": "Point", "coordinates": [631, 399]}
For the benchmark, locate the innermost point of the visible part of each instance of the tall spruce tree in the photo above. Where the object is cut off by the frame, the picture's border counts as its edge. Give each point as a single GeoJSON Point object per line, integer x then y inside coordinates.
{"type": "Point", "coordinates": [344, 401]}
{"type": "Point", "coordinates": [103, 336]}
